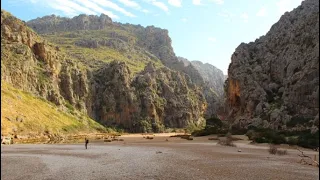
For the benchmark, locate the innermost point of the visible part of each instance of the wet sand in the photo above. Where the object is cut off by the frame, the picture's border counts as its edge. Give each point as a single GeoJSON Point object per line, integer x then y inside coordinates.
{"type": "Point", "coordinates": [140, 158]}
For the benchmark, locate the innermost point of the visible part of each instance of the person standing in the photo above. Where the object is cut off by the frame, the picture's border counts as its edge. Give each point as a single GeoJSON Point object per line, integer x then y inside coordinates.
{"type": "Point", "coordinates": [86, 143]}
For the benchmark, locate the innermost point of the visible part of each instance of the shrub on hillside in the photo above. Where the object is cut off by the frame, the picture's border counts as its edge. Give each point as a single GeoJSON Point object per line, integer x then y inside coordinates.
{"type": "Point", "coordinates": [266, 136]}
{"type": "Point", "coordinates": [227, 140]}
{"type": "Point", "coordinates": [301, 138]}
{"type": "Point", "coordinates": [298, 120]}
{"type": "Point", "coordinates": [273, 149]}
{"type": "Point", "coordinates": [309, 140]}
{"type": "Point", "coordinates": [237, 130]}
{"type": "Point", "coordinates": [282, 152]}
{"type": "Point", "coordinates": [213, 126]}
{"type": "Point", "coordinates": [251, 134]}
{"type": "Point", "coordinates": [292, 140]}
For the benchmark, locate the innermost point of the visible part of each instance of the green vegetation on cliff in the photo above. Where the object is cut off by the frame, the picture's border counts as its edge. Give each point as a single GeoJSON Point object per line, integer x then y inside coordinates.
{"type": "Point", "coordinates": [24, 114]}
{"type": "Point", "coordinates": [95, 46]}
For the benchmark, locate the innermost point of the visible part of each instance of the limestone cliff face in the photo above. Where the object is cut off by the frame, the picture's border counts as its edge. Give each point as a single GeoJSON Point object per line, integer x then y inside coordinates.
{"type": "Point", "coordinates": [151, 100]}
{"type": "Point", "coordinates": [274, 81]}
{"type": "Point", "coordinates": [170, 97]}
{"type": "Point", "coordinates": [212, 76]}
{"type": "Point", "coordinates": [158, 42]}
{"type": "Point", "coordinates": [212, 81]}
{"type": "Point", "coordinates": [155, 41]}
{"type": "Point", "coordinates": [27, 61]}
{"type": "Point", "coordinates": [54, 24]}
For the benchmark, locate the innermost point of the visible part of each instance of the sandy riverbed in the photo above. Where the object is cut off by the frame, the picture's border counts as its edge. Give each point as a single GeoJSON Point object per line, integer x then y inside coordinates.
{"type": "Point", "coordinates": [140, 158]}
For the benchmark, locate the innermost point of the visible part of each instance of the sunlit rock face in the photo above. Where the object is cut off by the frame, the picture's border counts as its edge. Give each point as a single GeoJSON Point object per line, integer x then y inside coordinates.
{"type": "Point", "coordinates": [275, 79]}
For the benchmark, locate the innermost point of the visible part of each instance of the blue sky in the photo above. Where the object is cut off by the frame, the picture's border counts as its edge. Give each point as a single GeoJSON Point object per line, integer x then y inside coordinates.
{"type": "Point", "coordinates": [205, 30]}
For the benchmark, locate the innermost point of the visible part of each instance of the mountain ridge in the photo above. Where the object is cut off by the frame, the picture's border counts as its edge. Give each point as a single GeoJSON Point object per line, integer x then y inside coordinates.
{"type": "Point", "coordinates": [118, 80]}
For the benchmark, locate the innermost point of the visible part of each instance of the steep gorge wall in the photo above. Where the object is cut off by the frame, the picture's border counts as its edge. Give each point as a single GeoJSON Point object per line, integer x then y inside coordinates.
{"type": "Point", "coordinates": [110, 94]}
{"type": "Point", "coordinates": [275, 80]}
{"type": "Point", "coordinates": [154, 40]}
{"type": "Point", "coordinates": [212, 81]}
{"type": "Point", "coordinates": [156, 97]}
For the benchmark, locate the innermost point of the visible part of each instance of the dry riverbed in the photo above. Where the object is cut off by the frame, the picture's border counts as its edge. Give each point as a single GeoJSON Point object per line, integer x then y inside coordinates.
{"type": "Point", "coordinates": [162, 157]}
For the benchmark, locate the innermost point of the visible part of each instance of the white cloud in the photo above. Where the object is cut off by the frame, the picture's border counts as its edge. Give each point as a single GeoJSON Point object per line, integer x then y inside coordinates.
{"type": "Point", "coordinates": [66, 5]}
{"type": "Point", "coordinates": [113, 6]}
{"type": "Point", "coordinates": [196, 2]}
{"type": "Point", "coordinates": [134, 5]}
{"type": "Point", "coordinates": [65, 9]}
{"type": "Point", "coordinates": [97, 8]}
{"type": "Point", "coordinates": [145, 11]}
{"type": "Point", "coordinates": [199, 2]}
{"type": "Point", "coordinates": [262, 12]}
{"type": "Point", "coordinates": [218, 1]}
{"type": "Point", "coordinates": [160, 5]}
{"type": "Point", "coordinates": [130, 3]}
{"type": "Point", "coordinates": [75, 7]}
{"type": "Point", "coordinates": [184, 20]}
{"type": "Point", "coordinates": [212, 39]}
{"type": "Point", "coordinates": [245, 17]}
{"type": "Point", "coordinates": [176, 3]}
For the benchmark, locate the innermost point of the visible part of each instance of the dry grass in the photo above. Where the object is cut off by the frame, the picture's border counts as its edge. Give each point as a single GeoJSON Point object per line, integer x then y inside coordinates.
{"type": "Point", "coordinates": [227, 140]}
{"type": "Point", "coordinates": [273, 149]}
{"type": "Point", "coordinates": [137, 61]}
{"type": "Point", "coordinates": [23, 114]}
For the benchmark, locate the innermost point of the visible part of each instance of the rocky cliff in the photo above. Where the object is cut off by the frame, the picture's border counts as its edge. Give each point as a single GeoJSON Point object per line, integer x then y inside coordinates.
{"type": "Point", "coordinates": [274, 81]}
{"type": "Point", "coordinates": [148, 43]}
{"type": "Point", "coordinates": [30, 64]}
{"type": "Point", "coordinates": [212, 80]}
{"type": "Point", "coordinates": [151, 101]}
{"type": "Point", "coordinates": [136, 45]}
{"type": "Point", "coordinates": [212, 76]}
{"type": "Point", "coordinates": [99, 70]}
{"type": "Point", "coordinates": [54, 24]}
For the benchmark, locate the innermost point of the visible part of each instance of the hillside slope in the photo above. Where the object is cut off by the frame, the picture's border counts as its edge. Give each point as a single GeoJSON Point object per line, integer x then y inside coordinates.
{"type": "Point", "coordinates": [26, 115]}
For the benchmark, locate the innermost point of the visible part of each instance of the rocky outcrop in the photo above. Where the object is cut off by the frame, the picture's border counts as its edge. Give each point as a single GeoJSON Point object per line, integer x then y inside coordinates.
{"type": "Point", "coordinates": [212, 81]}
{"type": "Point", "coordinates": [151, 100]}
{"type": "Point", "coordinates": [212, 76]}
{"type": "Point", "coordinates": [27, 61]}
{"type": "Point", "coordinates": [118, 36]}
{"type": "Point", "coordinates": [274, 81]}
{"type": "Point", "coordinates": [149, 43]}
{"type": "Point", "coordinates": [54, 24]}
